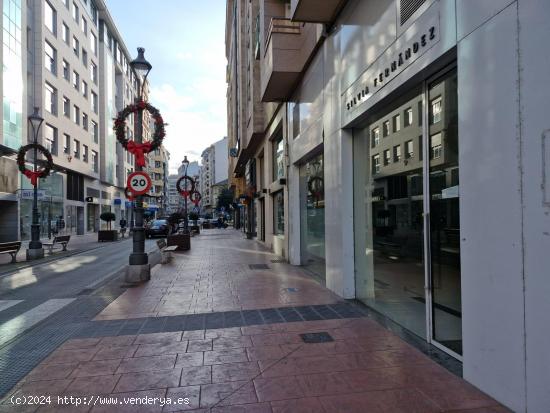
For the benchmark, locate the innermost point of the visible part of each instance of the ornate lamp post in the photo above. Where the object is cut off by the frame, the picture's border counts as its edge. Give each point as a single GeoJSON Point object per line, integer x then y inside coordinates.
{"type": "Point", "coordinates": [139, 269]}
{"type": "Point", "coordinates": [35, 249]}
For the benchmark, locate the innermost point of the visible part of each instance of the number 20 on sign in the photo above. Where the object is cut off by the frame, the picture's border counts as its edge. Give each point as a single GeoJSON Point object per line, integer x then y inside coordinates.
{"type": "Point", "coordinates": [139, 183]}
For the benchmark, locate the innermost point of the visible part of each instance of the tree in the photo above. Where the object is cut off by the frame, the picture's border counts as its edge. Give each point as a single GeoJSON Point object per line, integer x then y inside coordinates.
{"type": "Point", "coordinates": [225, 199]}
{"type": "Point", "coordinates": [108, 217]}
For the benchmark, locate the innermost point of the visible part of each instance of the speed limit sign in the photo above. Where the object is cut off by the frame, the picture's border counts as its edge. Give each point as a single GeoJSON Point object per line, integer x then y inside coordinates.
{"type": "Point", "coordinates": [139, 182]}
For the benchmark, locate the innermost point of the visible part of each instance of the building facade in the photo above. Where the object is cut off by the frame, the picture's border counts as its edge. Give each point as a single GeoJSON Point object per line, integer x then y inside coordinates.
{"type": "Point", "coordinates": [213, 174]}
{"type": "Point", "coordinates": [157, 168]}
{"type": "Point", "coordinates": [412, 132]}
{"type": "Point", "coordinates": [68, 59]}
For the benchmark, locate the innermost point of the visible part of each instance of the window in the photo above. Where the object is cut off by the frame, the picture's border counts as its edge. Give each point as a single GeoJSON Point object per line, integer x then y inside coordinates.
{"type": "Point", "coordinates": [386, 128]}
{"type": "Point", "coordinates": [76, 46]}
{"type": "Point", "coordinates": [67, 144]}
{"type": "Point", "coordinates": [409, 151]}
{"type": "Point", "coordinates": [50, 98]}
{"type": "Point", "coordinates": [376, 164]}
{"type": "Point", "coordinates": [85, 153]}
{"type": "Point", "coordinates": [95, 132]}
{"type": "Point", "coordinates": [279, 213]}
{"type": "Point", "coordinates": [278, 158]}
{"type": "Point", "coordinates": [84, 89]}
{"type": "Point", "coordinates": [76, 12]}
{"type": "Point", "coordinates": [50, 137]}
{"type": "Point", "coordinates": [76, 115]}
{"type": "Point", "coordinates": [94, 102]}
{"type": "Point", "coordinates": [66, 70]}
{"type": "Point", "coordinates": [396, 123]}
{"type": "Point", "coordinates": [436, 110]}
{"type": "Point", "coordinates": [76, 148]}
{"type": "Point", "coordinates": [84, 58]}
{"type": "Point", "coordinates": [50, 17]}
{"type": "Point", "coordinates": [66, 34]}
{"type": "Point", "coordinates": [66, 107]}
{"type": "Point", "coordinates": [93, 72]}
{"type": "Point", "coordinates": [157, 164]}
{"type": "Point", "coordinates": [93, 43]}
{"type": "Point", "coordinates": [387, 157]}
{"type": "Point", "coordinates": [67, 4]}
{"type": "Point", "coordinates": [397, 153]}
{"type": "Point", "coordinates": [84, 121]}
{"type": "Point", "coordinates": [94, 161]}
{"type": "Point", "coordinates": [50, 55]}
{"type": "Point", "coordinates": [84, 26]}
{"type": "Point", "coordinates": [420, 153]}
{"type": "Point", "coordinates": [408, 117]}
{"type": "Point", "coordinates": [76, 80]}
{"type": "Point", "coordinates": [375, 137]}
{"type": "Point", "coordinates": [435, 146]}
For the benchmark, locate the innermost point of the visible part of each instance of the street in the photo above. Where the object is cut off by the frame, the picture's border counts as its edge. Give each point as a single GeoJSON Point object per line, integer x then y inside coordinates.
{"type": "Point", "coordinates": [44, 303]}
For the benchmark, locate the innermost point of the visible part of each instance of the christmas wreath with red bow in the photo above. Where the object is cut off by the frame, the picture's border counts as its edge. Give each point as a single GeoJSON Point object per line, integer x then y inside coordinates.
{"type": "Point", "coordinates": [195, 197]}
{"type": "Point", "coordinates": [40, 173]}
{"type": "Point", "coordinates": [139, 149]}
{"type": "Point", "coordinates": [185, 191]}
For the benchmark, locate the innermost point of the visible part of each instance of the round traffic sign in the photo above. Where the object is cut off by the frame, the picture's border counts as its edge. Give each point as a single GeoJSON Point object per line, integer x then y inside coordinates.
{"type": "Point", "coordinates": [139, 182]}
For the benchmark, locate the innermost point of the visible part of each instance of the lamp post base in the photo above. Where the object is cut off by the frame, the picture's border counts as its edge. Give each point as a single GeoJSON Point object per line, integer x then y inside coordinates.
{"type": "Point", "coordinates": [138, 273]}
{"type": "Point", "coordinates": [35, 253]}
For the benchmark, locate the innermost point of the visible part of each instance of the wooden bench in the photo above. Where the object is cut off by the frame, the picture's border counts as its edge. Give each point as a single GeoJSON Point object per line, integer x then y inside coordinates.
{"type": "Point", "coordinates": [62, 240]}
{"type": "Point", "coordinates": [11, 248]}
{"type": "Point", "coordinates": [165, 251]}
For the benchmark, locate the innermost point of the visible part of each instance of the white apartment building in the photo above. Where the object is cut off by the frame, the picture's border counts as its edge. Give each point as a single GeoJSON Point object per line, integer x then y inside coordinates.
{"type": "Point", "coordinates": [67, 58]}
{"type": "Point", "coordinates": [213, 172]}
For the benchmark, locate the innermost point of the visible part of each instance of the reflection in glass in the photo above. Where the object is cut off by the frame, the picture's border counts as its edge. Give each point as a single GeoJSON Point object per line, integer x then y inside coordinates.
{"type": "Point", "coordinates": [444, 213]}
{"type": "Point", "coordinates": [279, 213]}
{"type": "Point", "coordinates": [312, 211]}
{"type": "Point", "coordinates": [391, 274]}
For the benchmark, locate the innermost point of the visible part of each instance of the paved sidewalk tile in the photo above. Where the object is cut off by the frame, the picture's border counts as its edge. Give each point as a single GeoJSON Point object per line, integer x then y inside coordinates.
{"type": "Point", "coordinates": [264, 367]}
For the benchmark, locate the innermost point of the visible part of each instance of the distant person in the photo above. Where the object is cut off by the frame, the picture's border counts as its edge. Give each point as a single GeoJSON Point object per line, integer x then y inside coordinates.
{"type": "Point", "coordinates": [220, 222]}
{"type": "Point", "coordinates": [60, 223]}
{"type": "Point", "coordinates": [122, 223]}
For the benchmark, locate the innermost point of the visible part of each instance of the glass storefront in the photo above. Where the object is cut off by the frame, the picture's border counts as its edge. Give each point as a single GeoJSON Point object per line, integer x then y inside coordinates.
{"type": "Point", "coordinates": [417, 133]}
{"type": "Point", "coordinates": [312, 215]}
{"type": "Point", "coordinates": [279, 213]}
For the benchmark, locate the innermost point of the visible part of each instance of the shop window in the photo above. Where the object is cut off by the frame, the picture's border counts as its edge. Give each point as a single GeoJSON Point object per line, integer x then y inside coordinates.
{"type": "Point", "coordinates": [278, 158]}
{"type": "Point", "coordinates": [279, 213]}
{"type": "Point", "coordinates": [375, 137]}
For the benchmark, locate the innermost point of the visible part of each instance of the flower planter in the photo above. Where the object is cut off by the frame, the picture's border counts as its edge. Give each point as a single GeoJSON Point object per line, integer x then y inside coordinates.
{"type": "Point", "coordinates": [107, 235]}
{"type": "Point", "coordinates": [182, 241]}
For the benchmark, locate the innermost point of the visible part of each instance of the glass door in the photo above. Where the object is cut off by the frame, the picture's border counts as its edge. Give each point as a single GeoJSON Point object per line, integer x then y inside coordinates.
{"type": "Point", "coordinates": [444, 220]}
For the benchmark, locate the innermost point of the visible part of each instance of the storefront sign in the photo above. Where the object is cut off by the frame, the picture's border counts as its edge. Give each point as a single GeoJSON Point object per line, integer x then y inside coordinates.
{"type": "Point", "coordinates": [410, 46]}
{"type": "Point", "coordinates": [29, 194]}
{"type": "Point", "coordinates": [117, 201]}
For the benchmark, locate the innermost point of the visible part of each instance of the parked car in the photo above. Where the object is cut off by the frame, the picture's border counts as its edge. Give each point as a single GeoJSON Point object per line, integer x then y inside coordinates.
{"type": "Point", "coordinates": [158, 227]}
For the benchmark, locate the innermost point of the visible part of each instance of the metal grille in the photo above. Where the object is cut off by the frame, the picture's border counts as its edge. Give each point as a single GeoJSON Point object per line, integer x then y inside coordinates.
{"type": "Point", "coordinates": [408, 7]}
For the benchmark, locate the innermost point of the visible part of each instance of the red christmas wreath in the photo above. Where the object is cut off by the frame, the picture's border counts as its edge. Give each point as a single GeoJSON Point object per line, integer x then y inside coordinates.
{"type": "Point", "coordinates": [139, 149]}
{"type": "Point", "coordinates": [39, 173]}
{"type": "Point", "coordinates": [186, 191]}
{"type": "Point", "coordinates": [195, 197]}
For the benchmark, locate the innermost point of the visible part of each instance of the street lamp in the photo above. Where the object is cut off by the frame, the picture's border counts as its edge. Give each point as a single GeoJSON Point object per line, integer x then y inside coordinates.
{"type": "Point", "coordinates": [185, 164]}
{"type": "Point", "coordinates": [35, 249]}
{"type": "Point", "coordinates": [139, 269]}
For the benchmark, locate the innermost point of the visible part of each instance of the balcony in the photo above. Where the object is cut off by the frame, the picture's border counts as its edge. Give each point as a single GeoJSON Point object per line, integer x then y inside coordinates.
{"type": "Point", "coordinates": [289, 47]}
{"type": "Point", "coordinates": [315, 11]}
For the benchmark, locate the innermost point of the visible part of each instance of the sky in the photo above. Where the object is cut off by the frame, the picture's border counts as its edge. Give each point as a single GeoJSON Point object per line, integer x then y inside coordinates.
{"type": "Point", "coordinates": [184, 40]}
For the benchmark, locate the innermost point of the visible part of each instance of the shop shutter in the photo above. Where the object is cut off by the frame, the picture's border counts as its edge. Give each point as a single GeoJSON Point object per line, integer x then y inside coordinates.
{"type": "Point", "coordinates": [408, 7]}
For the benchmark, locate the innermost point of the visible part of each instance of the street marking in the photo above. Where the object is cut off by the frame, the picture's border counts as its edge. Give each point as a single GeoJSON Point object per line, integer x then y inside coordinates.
{"type": "Point", "coordinates": [23, 322]}
{"type": "Point", "coordinates": [4, 304]}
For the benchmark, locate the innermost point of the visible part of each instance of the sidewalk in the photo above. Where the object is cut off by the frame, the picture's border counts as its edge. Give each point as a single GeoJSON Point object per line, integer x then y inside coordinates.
{"type": "Point", "coordinates": [273, 364]}
{"type": "Point", "coordinates": [78, 243]}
